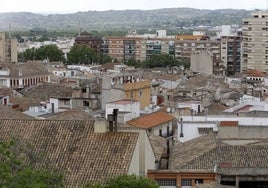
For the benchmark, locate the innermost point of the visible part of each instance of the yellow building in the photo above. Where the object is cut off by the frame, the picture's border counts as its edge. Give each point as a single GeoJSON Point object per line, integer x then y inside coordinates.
{"type": "Point", "coordinates": [140, 91]}
{"type": "Point", "coordinates": [122, 86]}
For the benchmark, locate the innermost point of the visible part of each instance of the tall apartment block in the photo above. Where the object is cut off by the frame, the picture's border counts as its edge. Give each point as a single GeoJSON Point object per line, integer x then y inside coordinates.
{"type": "Point", "coordinates": [8, 49]}
{"type": "Point", "coordinates": [255, 42]}
{"type": "Point", "coordinates": [231, 53]}
{"type": "Point", "coordinates": [138, 48]}
{"type": "Point", "coordinates": [185, 45]}
{"type": "Point", "coordinates": [88, 40]}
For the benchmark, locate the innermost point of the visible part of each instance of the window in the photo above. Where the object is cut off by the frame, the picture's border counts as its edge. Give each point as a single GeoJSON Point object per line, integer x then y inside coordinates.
{"type": "Point", "coordinates": [66, 102]}
{"type": "Point", "coordinates": [186, 182]}
{"type": "Point", "coordinates": [199, 181]}
{"type": "Point", "coordinates": [160, 132]}
{"type": "Point", "coordinates": [166, 182]}
{"type": "Point", "coordinates": [85, 103]}
{"type": "Point", "coordinates": [140, 92]}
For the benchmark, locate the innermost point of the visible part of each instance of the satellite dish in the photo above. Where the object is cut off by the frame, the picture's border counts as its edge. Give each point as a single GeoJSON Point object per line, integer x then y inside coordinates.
{"type": "Point", "coordinates": [168, 110]}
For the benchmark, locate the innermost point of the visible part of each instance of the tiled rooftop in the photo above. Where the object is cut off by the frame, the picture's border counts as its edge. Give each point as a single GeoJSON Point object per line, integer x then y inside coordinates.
{"type": "Point", "coordinates": [151, 120]}
{"type": "Point", "coordinates": [69, 115]}
{"type": "Point", "coordinates": [124, 101]}
{"type": "Point", "coordinates": [204, 153]}
{"type": "Point", "coordinates": [159, 145]}
{"type": "Point", "coordinates": [255, 73]}
{"type": "Point", "coordinates": [44, 91]}
{"type": "Point", "coordinates": [6, 112]}
{"type": "Point", "coordinates": [229, 123]}
{"type": "Point", "coordinates": [137, 85]}
{"type": "Point", "coordinates": [25, 69]}
{"type": "Point", "coordinates": [73, 147]}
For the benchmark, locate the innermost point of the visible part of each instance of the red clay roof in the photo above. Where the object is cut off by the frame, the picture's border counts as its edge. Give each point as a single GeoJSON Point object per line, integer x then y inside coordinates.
{"type": "Point", "coordinates": [229, 123]}
{"type": "Point", "coordinates": [73, 148]}
{"type": "Point", "coordinates": [255, 73]}
{"type": "Point", "coordinates": [151, 120]}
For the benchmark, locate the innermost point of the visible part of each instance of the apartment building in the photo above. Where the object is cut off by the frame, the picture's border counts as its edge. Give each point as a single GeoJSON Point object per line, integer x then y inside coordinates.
{"type": "Point", "coordinates": [231, 53]}
{"type": "Point", "coordinates": [138, 47]}
{"type": "Point", "coordinates": [88, 40]}
{"type": "Point", "coordinates": [8, 48]}
{"type": "Point", "coordinates": [159, 45]}
{"type": "Point", "coordinates": [115, 47]}
{"type": "Point", "coordinates": [255, 42]}
{"type": "Point", "coordinates": [185, 45]}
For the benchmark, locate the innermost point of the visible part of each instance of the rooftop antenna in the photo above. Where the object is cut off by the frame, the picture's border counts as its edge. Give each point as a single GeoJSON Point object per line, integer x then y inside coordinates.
{"type": "Point", "coordinates": [9, 30]}
{"type": "Point", "coordinates": [79, 29]}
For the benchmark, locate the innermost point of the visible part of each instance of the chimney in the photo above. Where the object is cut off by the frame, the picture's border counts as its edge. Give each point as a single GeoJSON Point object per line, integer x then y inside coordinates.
{"type": "Point", "coordinates": [52, 108]}
{"type": "Point", "coordinates": [181, 134]}
{"type": "Point", "coordinates": [115, 113]}
{"type": "Point", "coordinates": [100, 126]}
{"type": "Point", "coordinates": [112, 119]}
{"type": "Point", "coordinates": [88, 91]}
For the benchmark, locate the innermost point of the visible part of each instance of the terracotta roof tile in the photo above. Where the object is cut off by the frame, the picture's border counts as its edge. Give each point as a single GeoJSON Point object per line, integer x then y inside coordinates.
{"type": "Point", "coordinates": [185, 156]}
{"type": "Point", "coordinates": [203, 153]}
{"type": "Point", "coordinates": [74, 148]}
{"type": "Point", "coordinates": [255, 73]}
{"type": "Point", "coordinates": [44, 91]}
{"type": "Point", "coordinates": [151, 120]}
{"type": "Point", "coordinates": [6, 112]}
{"type": "Point", "coordinates": [69, 115]}
{"type": "Point", "coordinates": [159, 145]}
{"type": "Point", "coordinates": [229, 123]}
{"type": "Point", "coordinates": [137, 85]}
{"type": "Point", "coordinates": [5, 91]}
{"type": "Point", "coordinates": [25, 69]}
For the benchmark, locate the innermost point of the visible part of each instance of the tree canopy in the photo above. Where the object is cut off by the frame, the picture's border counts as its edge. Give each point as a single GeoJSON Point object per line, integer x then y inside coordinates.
{"type": "Point", "coordinates": [127, 181]}
{"type": "Point", "coordinates": [49, 52]}
{"type": "Point", "coordinates": [16, 169]}
{"type": "Point", "coordinates": [80, 54]}
{"type": "Point", "coordinates": [160, 60]}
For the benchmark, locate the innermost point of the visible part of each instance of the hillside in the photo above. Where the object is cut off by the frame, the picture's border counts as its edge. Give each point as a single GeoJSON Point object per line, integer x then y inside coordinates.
{"type": "Point", "coordinates": [160, 18]}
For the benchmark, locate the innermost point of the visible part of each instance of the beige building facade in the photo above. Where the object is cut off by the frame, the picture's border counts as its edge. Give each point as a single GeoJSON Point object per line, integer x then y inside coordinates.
{"type": "Point", "coordinates": [255, 42]}
{"type": "Point", "coordinates": [122, 86]}
{"type": "Point", "coordinates": [8, 49]}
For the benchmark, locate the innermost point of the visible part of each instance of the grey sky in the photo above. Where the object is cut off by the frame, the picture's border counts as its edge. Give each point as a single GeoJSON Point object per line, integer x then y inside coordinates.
{"type": "Point", "coordinates": [64, 6]}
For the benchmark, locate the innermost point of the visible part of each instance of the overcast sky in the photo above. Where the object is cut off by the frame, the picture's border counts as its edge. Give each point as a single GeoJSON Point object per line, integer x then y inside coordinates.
{"type": "Point", "coordinates": [70, 6]}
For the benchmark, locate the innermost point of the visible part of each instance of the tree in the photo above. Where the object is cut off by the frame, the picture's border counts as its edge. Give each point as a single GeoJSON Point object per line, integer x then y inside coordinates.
{"type": "Point", "coordinates": [50, 52]}
{"type": "Point", "coordinates": [81, 55]}
{"type": "Point", "coordinates": [15, 171]}
{"type": "Point", "coordinates": [131, 181]}
{"type": "Point", "coordinates": [28, 54]}
{"type": "Point", "coordinates": [160, 60]}
{"type": "Point", "coordinates": [183, 61]}
{"type": "Point", "coordinates": [127, 181]}
{"type": "Point", "coordinates": [104, 58]}
{"type": "Point", "coordinates": [135, 63]}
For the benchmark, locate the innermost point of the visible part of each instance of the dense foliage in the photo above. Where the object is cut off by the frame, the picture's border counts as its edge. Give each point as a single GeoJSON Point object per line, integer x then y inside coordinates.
{"type": "Point", "coordinates": [16, 169]}
{"type": "Point", "coordinates": [127, 181]}
{"type": "Point", "coordinates": [49, 52]}
{"type": "Point", "coordinates": [84, 55]}
{"type": "Point", "coordinates": [160, 60]}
